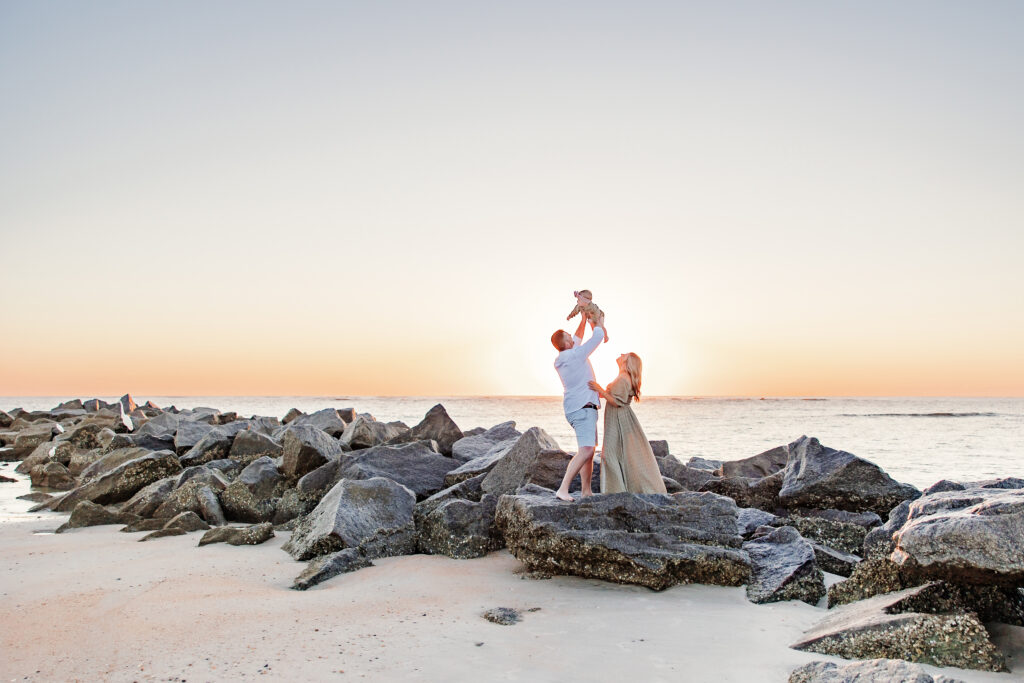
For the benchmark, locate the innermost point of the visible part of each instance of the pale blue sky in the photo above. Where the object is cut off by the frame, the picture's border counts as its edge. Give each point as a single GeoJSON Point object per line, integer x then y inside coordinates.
{"type": "Point", "coordinates": [791, 197]}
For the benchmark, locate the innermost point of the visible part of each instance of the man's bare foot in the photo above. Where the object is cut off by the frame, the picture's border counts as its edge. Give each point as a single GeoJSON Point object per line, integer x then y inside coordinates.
{"type": "Point", "coordinates": [563, 496]}
{"type": "Point", "coordinates": [586, 494]}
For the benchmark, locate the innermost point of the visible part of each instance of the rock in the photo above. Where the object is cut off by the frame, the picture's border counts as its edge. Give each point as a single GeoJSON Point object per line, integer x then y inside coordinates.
{"type": "Point", "coordinates": [187, 521]}
{"type": "Point", "coordinates": [110, 461]}
{"type": "Point", "coordinates": [214, 445]}
{"type": "Point", "coordinates": [7, 480]}
{"type": "Point", "coordinates": [435, 426]}
{"type": "Point", "coordinates": [52, 475]}
{"type": "Point", "coordinates": [868, 520]}
{"type": "Point", "coordinates": [868, 579]}
{"type": "Point", "coordinates": [128, 403]}
{"type": "Point", "coordinates": [690, 478]}
{"type": "Point", "coordinates": [471, 447]}
{"type": "Point", "coordinates": [123, 482]}
{"type": "Point", "coordinates": [327, 420]}
{"type": "Point", "coordinates": [89, 435]}
{"type": "Point", "coordinates": [209, 506]}
{"type": "Point", "coordinates": [671, 486]}
{"type": "Point", "coordinates": [969, 536]}
{"type": "Point", "coordinates": [869, 671]}
{"type": "Point", "coordinates": [845, 537]}
{"type": "Point", "coordinates": [95, 405]}
{"type": "Point", "coordinates": [653, 540]}
{"type": "Point", "coordinates": [164, 426]}
{"type": "Point", "coordinates": [749, 519]}
{"type": "Point", "coordinates": [262, 477]}
{"type": "Point", "coordinates": [226, 466]}
{"type": "Point", "coordinates": [485, 463]}
{"type": "Point", "coordinates": [503, 616]}
{"type": "Point", "coordinates": [366, 432]}
{"type": "Point", "coordinates": [307, 448]}
{"type": "Point", "coordinates": [419, 469]}
{"type": "Point", "coordinates": [295, 503]}
{"type": "Point", "coordinates": [81, 460]}
{"type": "Point", "coordinates": [783, 567]}
{"type": "Point", "coordinates": [88, 513]}
{"type": "Point", "coordinates": [756, 493]}
{"type": "Point", "coordinates": [250, 535]}
{"type": "Point", "coordinates": [35, 497]}
{"type": "Point", "coordinates": [660, 448]}
{"type": "Point", "coordinates": [878, 543]}
{"type": "Point", "coordinates": [458, 528]}
{"type": "Point", "coordinates": [241, 505]}
{"type": "Point", "coordinates": [182, 499]}
{"type": "Point", "coordinates": [146, 501]}
{"type": "Point", "coordinates": [833, 561]}
{"type": "Point", "coordinates": [817, 476]}
{"type": "Point", "coordinates": [699, 463]}
{"type": "Point", "coordinates": [291, 415]}
{"type": "Point", "coordinates": [534, 458]}
{"type": "Point", "coordinates": [321, 479]}
{"type": "Point", "coordinates": [189, 434]}
{"type": "Point", "coordinates": [896, 626]}
{"type": "Point", "coordinates": [5, 420]}
{"type": "Point", "coordinates": [375, 515]}
{"type": "Point", "coordinates": [329, 566]}
{"type": "Point", "coordinates": [163, 532]}
{"type": "Point", "coordinates": [29, 438]}
{"type": "Point", "coordinates": [757, 466]}
{"type": "Point", "coordinates": [251, 445]}
{"type": "Point", "coordinates": [204, 474]}
{"type": "Point", "coordinates": [145, 525]}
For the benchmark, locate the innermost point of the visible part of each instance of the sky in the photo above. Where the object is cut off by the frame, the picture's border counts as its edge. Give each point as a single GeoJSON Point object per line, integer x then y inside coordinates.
{"type": "Point", "coordinates": [315, 198]}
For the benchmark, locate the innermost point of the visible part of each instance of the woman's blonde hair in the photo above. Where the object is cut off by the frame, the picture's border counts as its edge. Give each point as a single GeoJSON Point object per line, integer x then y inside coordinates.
{"type": "Point", "coordinates": [634, 368]}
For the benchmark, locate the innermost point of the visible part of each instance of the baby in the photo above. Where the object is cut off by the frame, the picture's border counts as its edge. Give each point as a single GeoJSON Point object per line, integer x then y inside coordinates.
{"type": "Point", "coordinates": [585, 305]}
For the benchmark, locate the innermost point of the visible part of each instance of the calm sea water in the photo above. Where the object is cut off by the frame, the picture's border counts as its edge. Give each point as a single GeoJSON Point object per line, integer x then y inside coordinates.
{"type": "Point", "coordinates": [916, 440]}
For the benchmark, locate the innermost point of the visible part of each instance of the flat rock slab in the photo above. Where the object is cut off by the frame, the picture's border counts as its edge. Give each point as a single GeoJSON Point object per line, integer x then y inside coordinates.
{"type": "Point", "coordinates": [870, 671]}
{"type": "Point", "coordinates": [895, 626]}
{"type": "Point", "coordinates": [783, 567]}
{"type": "Point", "coordinates": [327, 567]}
{"type": "Point", "coordinates": [652, 540]}
{"type": "Point", "coordinates": [250, 535]}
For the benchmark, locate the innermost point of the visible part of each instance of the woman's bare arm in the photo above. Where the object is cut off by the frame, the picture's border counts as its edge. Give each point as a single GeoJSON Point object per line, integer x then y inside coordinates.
{"type": "Point", "coordinates": [604, 394]}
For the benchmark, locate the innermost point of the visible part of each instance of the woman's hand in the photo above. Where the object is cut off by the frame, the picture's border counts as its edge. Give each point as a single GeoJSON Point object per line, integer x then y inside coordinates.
{"type": "Point", "coordinates": [595, 386]}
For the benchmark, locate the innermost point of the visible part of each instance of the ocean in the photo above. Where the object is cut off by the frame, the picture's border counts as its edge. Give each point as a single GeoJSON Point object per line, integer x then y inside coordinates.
{"type": "Point", "coordinates": [916, 440]}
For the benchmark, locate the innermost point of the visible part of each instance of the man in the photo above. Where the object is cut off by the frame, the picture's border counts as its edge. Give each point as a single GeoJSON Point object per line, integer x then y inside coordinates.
{"type": "Point", "coordinates": [580, 402]}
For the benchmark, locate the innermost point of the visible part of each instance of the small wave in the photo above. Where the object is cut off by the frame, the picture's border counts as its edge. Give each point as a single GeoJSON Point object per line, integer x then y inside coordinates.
{"type": "Point", "coordinates": [919, 415]}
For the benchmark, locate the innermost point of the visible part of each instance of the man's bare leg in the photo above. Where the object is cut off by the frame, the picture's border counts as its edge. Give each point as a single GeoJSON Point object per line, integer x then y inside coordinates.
{"type": "Point", "coordinates": [584, 458]}
{"type": "Point", "coordinates": [587, 476]}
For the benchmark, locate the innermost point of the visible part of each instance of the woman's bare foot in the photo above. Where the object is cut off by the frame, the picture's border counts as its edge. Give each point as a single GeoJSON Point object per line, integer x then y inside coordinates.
{"type": "Point", "coordinates": [588, 494]}
{"type": "Point", "coordinates": [561, 495]}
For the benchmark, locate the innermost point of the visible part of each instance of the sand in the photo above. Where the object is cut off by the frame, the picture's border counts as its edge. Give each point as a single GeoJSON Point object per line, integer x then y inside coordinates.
{"type": "Point", "coordinates": [95, 604]}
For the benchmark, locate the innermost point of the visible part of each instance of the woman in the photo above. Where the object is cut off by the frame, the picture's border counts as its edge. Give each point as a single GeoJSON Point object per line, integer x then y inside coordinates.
{"type": "Point", "coordinates": [627, 461]}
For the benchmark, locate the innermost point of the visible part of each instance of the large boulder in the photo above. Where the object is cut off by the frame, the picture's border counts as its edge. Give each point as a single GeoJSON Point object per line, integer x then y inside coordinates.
{"type": "Point", "coordinates": [52, 475]}
{"type": "Point", "coordinates": [214, 445]}
{"type": "Point", "coordinates": [760, 493]}
{"type": "Point", "coordinates": [30, 437]}
{"type": "Point", "coordinates": [366, 431]}
{"type": "Point", "coordinates": [109, 461]}
{"type": "Point", "coordinates": [477, 466]}
{"type": "Point", "coordinates": [327, 420]}
{"type": "Point", "coordinates": [435, 426]}
{"type": "Point", "coordinates": [89, 435]}
{"type": "Point", "coordinates": [88, 513]}
{"type": "Point", "coordinates": [969, 536]}
{"type": "Point", "coordinates": [307, 448]}
{"type": "Point", "coordinates": [148, 499]}
{"type": "Point", "coordinates": [375, 516]}
{"type": "Point", "coordinates": [757, 466]}
{"type": "Point", "coordinates": [240, 504]}
{"type": "Point", "coordinates": [689, 477]}
{"type": "Point", "coordinates": [188, 434]}
{"type": "Point", "coordinates": [878, 543]}
{"type": "Point", "coordinates": [250, 445]}
{"type": "Point", "coordinates": [818, 476]}
{"type": "Point", "coordinates": [123, 482]}
{"type": "Point", "coordinates": [262, 477]}
{"type": "Point", "coordinates": [918, 625]}
{"type": "Point", "coordinates": [477, 445]}
{"type": "Point", "coordinates": [458, 522]}
{"type": "Point", "coordinates": [868, 671]}
{"type": "Point", "coordinates": [843, 536]}
{"type": "Point", "coordinates": [653, 540]}
{"type": "Point", "coordinates": [783, 567]}
{"type": "Point", "coordinates": [534, 459]}
{"type": "Point", "coordinates": [163, 426]}
{"type": "Point", "coordinates": [414, 465]}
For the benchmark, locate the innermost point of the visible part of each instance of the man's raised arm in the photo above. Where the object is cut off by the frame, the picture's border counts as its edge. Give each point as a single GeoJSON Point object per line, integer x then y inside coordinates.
{"type": "Point", "coordinates": [578, 337]}
{"type": "Point", "coordinates": [595, 339]}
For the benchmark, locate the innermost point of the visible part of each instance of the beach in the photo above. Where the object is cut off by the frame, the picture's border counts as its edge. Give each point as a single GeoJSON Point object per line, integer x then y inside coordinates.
{"type": "Point", "coordinates": [95, 604]}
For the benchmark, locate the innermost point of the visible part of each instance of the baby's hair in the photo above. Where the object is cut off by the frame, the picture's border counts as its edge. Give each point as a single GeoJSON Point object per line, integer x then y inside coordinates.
{"type": "Point", "coordinates": [585, 292]}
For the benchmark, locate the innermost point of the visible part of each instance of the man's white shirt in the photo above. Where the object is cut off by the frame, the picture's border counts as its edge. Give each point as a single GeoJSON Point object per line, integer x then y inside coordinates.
{"type": "Point", "coordinates": [574, 369]}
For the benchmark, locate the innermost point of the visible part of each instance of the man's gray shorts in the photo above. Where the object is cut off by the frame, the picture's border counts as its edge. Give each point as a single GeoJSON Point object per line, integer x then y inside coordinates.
{"type": "Point", "coordinates": [584, 423]}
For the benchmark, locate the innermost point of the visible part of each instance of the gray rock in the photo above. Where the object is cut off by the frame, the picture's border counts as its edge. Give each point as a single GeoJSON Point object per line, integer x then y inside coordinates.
{"type": "Point", "coordinates": [375, 515]}
{"type": "Point", "coordinates": [321, 479]}
{"type": "Point", "coordinates": [89, 435]}
{"type": "Point", "coordinates": [294, 504]}
{"type": "Point", "coordinates": [148, 499]}
{"type": "Point", "coordinates": [209, 506]}
{"type": "Point", "coordinates": [307, 448]}
{"type": "Point", "coordinates": [241, 505]}
{"type": "Point", "coordinates": [162, 533]}
{"type": "Point", "coordinates": [653, 540]}
{"type": "Point", "coordinates": [182, 499]}
{"type": "Point", "coordinates": [52, 475]}
{"type": "Point", "coordinates": [749, 519]}
{"type": "Point", "coordinates": [477, 466]}
{"type": "Point", "coordinates": [250, 445]}
{"type": "Point", "coordinates": [869, 671]}
{"type": "Point", "coordinates": [783, 567]}
{"type": "Point", "coordinates": [534, 458]}
{"type": "Point", "coordinates": [503, 616]}
{"type": "Point", "coordinates": [88, 513]}
{"type": "Point", "coordinates": [30, 437]}
{"type": "Point", "coordinates": [660, 448]}
{"type": "Point", "coordinates": [435, 426]}
{"type": "Point", "coordinates": [187, 521]}
{"type": "Point", "coordinates": [758, 466]}
{"type": "Point", "coordinates": [475, 446]}
{"type": "Point", "coordinates": [842, 536]}
{"type": "Point", "coordinates": [709, 464]}
{"type": "Point", "coordinates": [123, 482]}
{"type": "Point", "coordinates": [163, 426]}
{"type": "Point", "coordinates": [327, 567]}
{"type": "Point", "coordinates": [366, 432]}
{"type": "Point", "coordinates": [226, 466]}
{"type": "Point", "coordinates": [690, 478]}
{"type": "Point", "coordinates": [817, 476]}
{"type": "Point", "coordinates": [897, 626]}
{"type": "Point", "coordinates": [970, 536]}
{"type": "Point", "coordinates": [412, 465]}
{"type": "Point", "coordinates": [327, 420]}
{"type": "Point", "coordinates": [262, 477]}
{"type": "Point", "coordinates": [204, 474]}
{"type": "Point", "coordinates": [292, 415]}
{"type": "Point", "coordinates": [214, 445]}
{"type": "Point", "coordinates": [188, 434]}
{"type": "Point", "coordinates": [833, 561]}
{"type": "Point", "coordinates": [112, 460]}
{"type": "Point", "coordinates": [458, 528]}
{"type": "Point", "coordinates": [878, 543]}
{"type": "Point", "coordinates": [250, 535]}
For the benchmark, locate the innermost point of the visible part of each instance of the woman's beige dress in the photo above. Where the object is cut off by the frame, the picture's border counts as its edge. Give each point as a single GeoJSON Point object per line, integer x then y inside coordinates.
{"type": "Point", "coordinates": [627, 461]}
